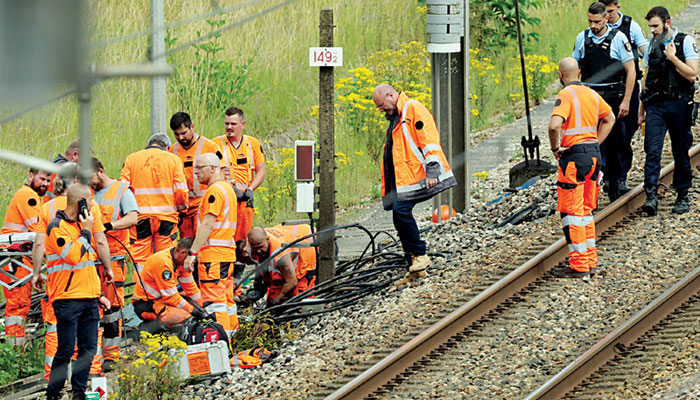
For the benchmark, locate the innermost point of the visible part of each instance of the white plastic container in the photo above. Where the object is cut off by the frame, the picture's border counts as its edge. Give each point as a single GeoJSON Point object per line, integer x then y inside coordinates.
{"type": "Point", "coordinates": [205, 359]}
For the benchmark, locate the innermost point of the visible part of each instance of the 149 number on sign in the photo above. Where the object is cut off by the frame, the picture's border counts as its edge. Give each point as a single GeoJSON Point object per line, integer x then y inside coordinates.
{"type": "Point", "coordinates": [325, 56]}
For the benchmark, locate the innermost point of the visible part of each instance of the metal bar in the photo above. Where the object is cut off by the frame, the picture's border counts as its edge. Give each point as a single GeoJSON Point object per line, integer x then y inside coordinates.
{"type": "Point", "coordinates": [158, 94]}
{"type": "Point", "coordinates": [467, 108]}
{"type": "Point", "coordinates": [134, 70]}
{"type": "Point", "coordinates": [326, 129]}
{"type": "Point", "coordinates": [28, 161]}
{"type": "Point", "coordinates": [522, 67]}
{"type": "Point", "coordinates": [402, 358]}
{"type": "Point", "coordinates": [627, 333]}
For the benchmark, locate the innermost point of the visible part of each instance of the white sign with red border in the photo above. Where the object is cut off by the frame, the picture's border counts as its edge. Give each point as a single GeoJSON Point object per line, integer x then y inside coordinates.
{"type": "Point", "coordinates": [325, 56]}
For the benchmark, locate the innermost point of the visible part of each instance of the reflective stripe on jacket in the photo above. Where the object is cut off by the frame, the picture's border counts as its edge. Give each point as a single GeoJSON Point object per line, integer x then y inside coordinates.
{"type": "Point", "coordinates": [23, 211]}
{"type": "Point", "coordinates": [245, 170]}
{"type": "Point", "coordinates": [70, 261]}
{"type": "Point", "coordinates": [201, 146]}
{"type": "Point", "coordinates": [110, 209]}
{"type": "Point", "coordinates": [158, 181]}
{"type": "Point", "coordinates": [416, 144]}
{"type": "Point", "coordinates": [581, 108]}
{"type": "Point", "coordinates": [219, 200]}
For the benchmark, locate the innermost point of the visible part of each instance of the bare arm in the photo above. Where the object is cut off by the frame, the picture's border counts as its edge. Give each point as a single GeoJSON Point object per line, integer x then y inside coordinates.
{"type": "Point", "coordinates": [555, 131]}
{"type": "Point", "coordinates": [289, 275]}
{"type": "Point", "coordinates": [37, 259]}
{"type": "Point", "coordinates": [605, 127]}
{"type": "Point", "coordinates": [103, 253]}
{"type": "Point", "coordinates": [624, 108]}
{"type": "Point", "coordinates": [259, 177]}
{"type": "Point", "coordinates": [688, 69]}
{"type": "Point", "coordinates": [203, 233]}
{"type": "Point", "coordinates": [127, 221]}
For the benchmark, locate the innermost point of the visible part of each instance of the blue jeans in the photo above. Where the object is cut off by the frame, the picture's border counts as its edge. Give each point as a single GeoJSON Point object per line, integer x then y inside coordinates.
{"type": "Point", "coordinates": [77, 319]}
{"type": "Point", "coordinates": [405, 224]}
{"type": "Point", "coordinates": [673, 115]}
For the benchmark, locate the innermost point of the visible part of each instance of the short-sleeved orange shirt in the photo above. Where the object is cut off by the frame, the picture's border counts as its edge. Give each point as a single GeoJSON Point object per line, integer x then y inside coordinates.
{"type": "Point", "coordinates": [49, 209]}
{"type": "Point", "coordinates": [219, 200]}
{"type": "Point", "coordinates": [241, 161]}
{"type": "Point", "coordinates": [581, 108]}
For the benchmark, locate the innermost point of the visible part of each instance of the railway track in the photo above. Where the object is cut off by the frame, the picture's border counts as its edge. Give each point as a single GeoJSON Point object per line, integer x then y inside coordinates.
{"type": "Point", "coordinates": [432, 362]}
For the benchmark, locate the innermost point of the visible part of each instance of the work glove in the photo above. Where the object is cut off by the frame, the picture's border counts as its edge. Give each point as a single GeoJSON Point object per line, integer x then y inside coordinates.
{"type": "Point", "coordinates": [249, 198]}
{"type": "Point", "coordinates": [240, 195]}
{"type": "Point", "coordinates": [198, 313]}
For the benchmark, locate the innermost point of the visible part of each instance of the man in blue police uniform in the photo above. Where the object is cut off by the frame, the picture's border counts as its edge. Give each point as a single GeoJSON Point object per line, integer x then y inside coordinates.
{"type": "Point", "coordinates": [638, 43]}
{"type": "Point", "coordinates": [667, 103]}
{"type": "Point", "coordinates": [607, 66]}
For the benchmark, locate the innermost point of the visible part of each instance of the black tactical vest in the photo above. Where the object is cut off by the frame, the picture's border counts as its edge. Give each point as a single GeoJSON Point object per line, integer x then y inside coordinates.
{"type": "Point", "coordinates": [662, 77]}
{"type": "Point", "coordinates": [597, 66]}
{"type": "Point", "coordinates": [625, 27]}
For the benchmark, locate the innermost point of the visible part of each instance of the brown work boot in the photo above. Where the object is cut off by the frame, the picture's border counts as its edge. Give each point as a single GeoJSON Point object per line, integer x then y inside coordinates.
{"type": "Point", "coordinates": [409, 277]}
{"type": "Point", "coordinates": [419, 263]}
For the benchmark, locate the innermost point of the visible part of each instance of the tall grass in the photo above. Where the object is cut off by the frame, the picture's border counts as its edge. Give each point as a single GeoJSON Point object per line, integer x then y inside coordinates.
{"type": "Point", "coordinates": [288, 87]}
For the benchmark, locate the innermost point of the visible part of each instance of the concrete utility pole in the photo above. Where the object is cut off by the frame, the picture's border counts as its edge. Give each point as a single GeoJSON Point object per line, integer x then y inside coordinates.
{"type": "Point", "coordinates": [158, 124]}
{"type": "Point", "coordinates": [326, 129]}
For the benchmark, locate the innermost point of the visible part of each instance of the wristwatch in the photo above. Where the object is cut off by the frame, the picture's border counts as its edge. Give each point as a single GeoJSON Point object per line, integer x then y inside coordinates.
{"type": "Point", "coordinates": [554, 150]}
{"type": "Point", "coordinates": [191, 253]}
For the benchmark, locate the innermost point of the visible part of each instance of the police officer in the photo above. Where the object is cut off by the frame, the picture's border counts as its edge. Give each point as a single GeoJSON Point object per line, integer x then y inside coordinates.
{"type": "Point", "coordinates": [634, 34]}
{"type": "Point", "coordinates": [607, 66]}
{"type": "Point", "coordinates": [667, 101]}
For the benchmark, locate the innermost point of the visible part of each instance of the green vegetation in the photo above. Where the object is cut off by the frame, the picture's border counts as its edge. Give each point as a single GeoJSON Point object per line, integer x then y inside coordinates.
{"type": "Point", "coordinates": [21, 361]}
{"type": "Point", "coordinates": [262, 65]}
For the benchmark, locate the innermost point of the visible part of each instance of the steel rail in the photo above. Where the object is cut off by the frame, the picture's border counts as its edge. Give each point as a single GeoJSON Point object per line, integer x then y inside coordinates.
{"type": "Point", "coordinates": [437, 334]}
{"type": "Point", "coordinates": [626, 334]}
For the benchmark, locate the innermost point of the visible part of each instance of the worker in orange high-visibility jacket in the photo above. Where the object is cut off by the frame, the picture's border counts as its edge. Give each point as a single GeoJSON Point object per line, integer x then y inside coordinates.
{"type": "Point", "coordinates": [283, 283]}
{"type": "Point", "coordinates": [581, 120]}
{"type": "Point", "coordinates": [414, 168]}
{"type": "Point", "coordinates": [22, 216]}
{"type": "Point", "coordinates": [67, 177]}
{"type": "Point", "coordinates": [188, 147]}
{"type": "Point", "coordinates": [158, 182]}
{"type": "Point", "coordinates": [119, 212]}
{"type": "Point", "coordinates": [214, 244]}
{"type": "Point", "coordinates": [73, 289]}
{"type": "Point", "coordinates": [156, 295]}
{"type": "Point", "coordinates": [245, 166]}
{"type": "Point", "coordinates": [70, 155]}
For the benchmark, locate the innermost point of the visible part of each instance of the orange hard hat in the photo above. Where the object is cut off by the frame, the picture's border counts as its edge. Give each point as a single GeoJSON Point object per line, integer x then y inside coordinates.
{"type": "Point", "coordinates": [444, 214]}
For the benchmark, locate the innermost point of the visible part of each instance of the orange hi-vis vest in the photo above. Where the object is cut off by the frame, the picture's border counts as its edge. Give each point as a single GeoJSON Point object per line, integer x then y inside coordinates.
{"type": "Point", "coordinates": [415, 144]}
{"type": "Point", "coordinates": [219, 200]}
{"type": "Point", "coordinates": [581, 108]}
{"type": "Point", "coordinates": [110, 209]}
{"type": "Point", "coordinates": [49, 210]}
{"type": "Point", "coordinates": [158, 181]}
{"type": "Point", "coordinates": [70, 261]}
{"type": "Point", "coordinates": [240, 162]}
{"type": "Point", "coordinates": [201, 146]}
{"type": "Point", "coordinates": [306, 260]}
{"type": "Point", "coordinates": [277, 237]}
{"type": "Point", "coordinates": [22, 212]}
{"type": "Point", "coordinates": [159, 279]}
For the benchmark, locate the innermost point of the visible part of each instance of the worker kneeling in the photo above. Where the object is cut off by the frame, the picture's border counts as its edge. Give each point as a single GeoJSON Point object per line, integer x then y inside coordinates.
{"type": "Point", "coordinates": [291, 271]}
{"type": "Point", "coordinates": [157, 300]}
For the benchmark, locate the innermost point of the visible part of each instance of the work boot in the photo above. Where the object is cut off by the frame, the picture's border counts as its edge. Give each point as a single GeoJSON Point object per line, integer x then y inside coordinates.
{"type": "Point", "coordinates": [682, 204]}
{"type": "Point", "coordinates": [108, 366]}
{"type": "Point", "coordinates": [410, 276]}
{"type": "Point", "coordinates": [613, 191]}
{"type": "Point", "coordinates": [53, 396]}
{"type": "Point", "coordinates": [623, 188]}
{"type": "Point", "coordinates": [568, 272]}
{"type": "Point", "coordinates": [651, 205]}
{"type": "Point", "coordinates": [419, 263]}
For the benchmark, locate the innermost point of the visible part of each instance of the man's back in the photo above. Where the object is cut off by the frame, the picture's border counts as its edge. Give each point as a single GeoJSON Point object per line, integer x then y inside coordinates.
{"type": "Point", "coordinates": [158, 182]}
